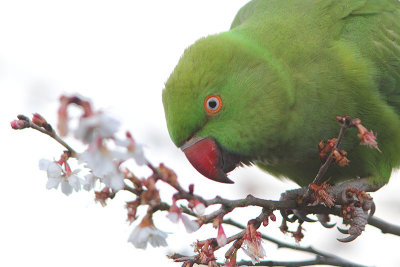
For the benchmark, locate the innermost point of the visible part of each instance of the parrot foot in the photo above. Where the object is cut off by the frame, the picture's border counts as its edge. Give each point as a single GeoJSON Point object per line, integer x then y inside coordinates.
{"type": "Point", "coordinates": [357, 225]}
{"type": "Point", "coordinates": [356, 208]}
{"type": "Point", "coordinates": [348, 200]}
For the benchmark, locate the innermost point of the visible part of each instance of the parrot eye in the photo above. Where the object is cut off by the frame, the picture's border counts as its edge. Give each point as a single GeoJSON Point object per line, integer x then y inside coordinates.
{"type": "Point", "coordinates": [212, 104]}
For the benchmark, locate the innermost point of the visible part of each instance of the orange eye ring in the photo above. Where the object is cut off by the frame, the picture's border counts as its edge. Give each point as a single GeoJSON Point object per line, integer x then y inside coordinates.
{"type": "Point", "coordinates": [212, 104]}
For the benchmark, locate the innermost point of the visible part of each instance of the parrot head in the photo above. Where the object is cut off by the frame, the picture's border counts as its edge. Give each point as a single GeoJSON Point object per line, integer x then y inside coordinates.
{"type": "Point", "coordinates": [225, 104]}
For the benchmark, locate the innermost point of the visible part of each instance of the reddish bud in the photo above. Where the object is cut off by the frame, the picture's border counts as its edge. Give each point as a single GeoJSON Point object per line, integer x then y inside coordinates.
{"type": "Point", "coordinates": [41, 122]}
{"type": "Point", "coordinates": [298, 235]}
{"type": "Point", "coordinates": [19, 124]}
{"type": "Point", "coordinates": [191, 189]}
{"type": "Point", "coordinates": [324, 149]}
{"type": "Point", "coordinates": [284, 228]}
{"type": "Point", "coordinates": [38, 119]}
{"type": "Point", "coordinates": [221, 236]}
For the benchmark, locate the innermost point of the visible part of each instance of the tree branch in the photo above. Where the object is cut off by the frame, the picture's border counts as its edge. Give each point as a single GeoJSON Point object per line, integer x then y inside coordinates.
{"type": "Point", "coordinates": [385, 227]}
{"type": "Point", "coordinates": [317, 261]}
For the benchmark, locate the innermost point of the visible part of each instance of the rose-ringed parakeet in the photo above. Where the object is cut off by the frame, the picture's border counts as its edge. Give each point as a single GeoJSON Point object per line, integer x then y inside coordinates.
{"type": "Point", "coordinates": [269, 89]}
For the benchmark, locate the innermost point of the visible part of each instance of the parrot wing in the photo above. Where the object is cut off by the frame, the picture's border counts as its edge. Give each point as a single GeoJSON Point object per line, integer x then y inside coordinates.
{"type": "Point", "coordinates": [378, 26]}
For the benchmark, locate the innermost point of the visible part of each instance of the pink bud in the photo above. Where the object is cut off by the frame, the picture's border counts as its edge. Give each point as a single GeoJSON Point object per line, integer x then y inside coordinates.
{"type": "Point", "coordinates": [221, 237]}
{"type": "Point", "coordinates": [19, 124]}
{"type": "Point", "coordinates": [131, 146]}
{"type": "Point", "coordinates": [38, 120]}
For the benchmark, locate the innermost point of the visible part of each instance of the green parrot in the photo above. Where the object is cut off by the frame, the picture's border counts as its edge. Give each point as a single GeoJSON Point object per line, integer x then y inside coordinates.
{"type": "Point", "coordinates": [269, 89]}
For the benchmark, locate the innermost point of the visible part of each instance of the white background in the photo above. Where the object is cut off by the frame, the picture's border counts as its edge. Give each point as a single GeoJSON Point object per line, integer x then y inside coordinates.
{"type": "Point", "coordinates": [119, 54]}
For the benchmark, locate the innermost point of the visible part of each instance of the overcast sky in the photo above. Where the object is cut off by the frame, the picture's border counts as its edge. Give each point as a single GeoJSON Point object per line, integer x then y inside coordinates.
{"type": "Point", "coordinates": [119, 54]}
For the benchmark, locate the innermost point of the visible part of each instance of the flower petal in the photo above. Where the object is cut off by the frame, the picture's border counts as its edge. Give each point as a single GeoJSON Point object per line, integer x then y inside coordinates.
{"type": "Point", "coordinates": [190, 226]}
{"type": "Point", "coordinates": [53, 183]}
{"type": "Point", "coordinates": [66, 188]}
{"type": "Point", "coordinates": [44, 164]}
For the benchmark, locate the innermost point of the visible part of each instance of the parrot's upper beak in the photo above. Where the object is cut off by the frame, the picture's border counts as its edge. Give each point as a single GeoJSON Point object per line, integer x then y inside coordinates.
{"type": "Point", "coordinates": [208, 158]}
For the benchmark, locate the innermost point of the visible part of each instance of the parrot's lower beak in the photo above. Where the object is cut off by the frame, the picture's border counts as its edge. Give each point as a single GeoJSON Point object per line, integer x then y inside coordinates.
{"type": "Point", "coordinates": [208, 158]}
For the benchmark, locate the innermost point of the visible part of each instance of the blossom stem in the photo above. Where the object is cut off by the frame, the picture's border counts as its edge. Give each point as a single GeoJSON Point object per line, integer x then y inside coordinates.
{"type": "Point", "coordinates": [53, 135]}
{"type": "Point", "coordinates": [346, 123]}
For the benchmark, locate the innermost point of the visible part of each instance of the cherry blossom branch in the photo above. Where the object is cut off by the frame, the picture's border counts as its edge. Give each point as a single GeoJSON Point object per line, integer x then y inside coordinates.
{"type": "Point", "coordinates": [97, 129]}
{"type": "Point", "coordinates": [290, 203]}
{"type": "Point", "coordinates": [384, 226]}
{"type": "Point", "coordinates": [227, 205]}
{"type": "Point", "coordinates": [42, 126]}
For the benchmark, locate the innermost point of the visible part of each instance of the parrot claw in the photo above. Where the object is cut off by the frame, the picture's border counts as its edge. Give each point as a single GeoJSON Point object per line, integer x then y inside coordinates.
{"type": "Point", "coordinates": [297, 215]}
{"type": "Point", "coordinates": [357, 207]}
{"type": "Point", "coordinates": [324, 219]}
{"type": "Point", "coordinates": [372, 210]}
{"type": "Point", "coordinates": [347, 239]}
{"type": "Point", "coordinates": [327, 225]}
{"type": "Point", "coordinates": [358, 219]}
{"type": "Point", "coordinates": [302, 216]}
{"type": "Point", "coordinates": [307, 219]}
{"type": "Point", "coordinates": [343, 231]}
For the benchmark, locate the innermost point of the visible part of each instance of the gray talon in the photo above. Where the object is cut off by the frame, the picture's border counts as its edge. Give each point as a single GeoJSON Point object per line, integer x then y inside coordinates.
{"type": "Point", "coordinates": [327, 225]}
{"type": "Point", "coordinates": [347, 239]}
{"type": "Point", "coordinates": [372, 210]}
{"type": "Point", "coordinates": [301, 216]}
{"type": "Point", "coordinates": [343, 231]}
{"type": "Point", "coordinates": [324, 219]}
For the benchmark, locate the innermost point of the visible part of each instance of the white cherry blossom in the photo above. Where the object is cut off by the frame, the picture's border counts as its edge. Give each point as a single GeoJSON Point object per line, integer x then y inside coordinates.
{"type": "Point", "coordinates": [140, 236]}
{"type": "Point", "coordinates": [98, 125]}
{"type": "Point", "coordinates": [56, 176]}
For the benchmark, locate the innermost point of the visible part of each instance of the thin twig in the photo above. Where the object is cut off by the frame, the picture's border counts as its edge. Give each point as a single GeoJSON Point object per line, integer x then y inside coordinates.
{"type": "Point", "coordinates": [53, 135]}
{"type": "Point", "coordinates": [323, 169]}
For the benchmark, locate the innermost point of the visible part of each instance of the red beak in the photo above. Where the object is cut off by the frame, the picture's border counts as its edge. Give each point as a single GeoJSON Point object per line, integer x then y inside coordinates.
{"type": "Point", "coordinates": [207, 158]}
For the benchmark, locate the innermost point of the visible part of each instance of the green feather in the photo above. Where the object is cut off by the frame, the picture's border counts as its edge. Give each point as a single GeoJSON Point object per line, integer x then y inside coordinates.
{"type": "Point", "coordinates": [284, 71]}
